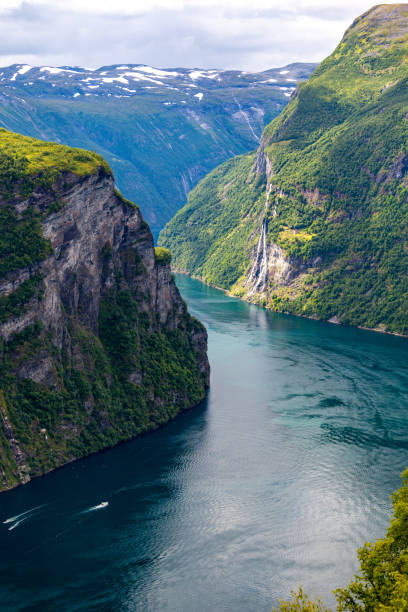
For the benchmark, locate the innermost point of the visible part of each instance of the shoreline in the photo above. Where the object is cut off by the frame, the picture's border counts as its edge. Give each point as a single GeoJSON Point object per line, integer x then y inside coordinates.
{"type": "Point", "coordinates": [108, 448]}
{"type": "Point", "coordinates": [371, 329]}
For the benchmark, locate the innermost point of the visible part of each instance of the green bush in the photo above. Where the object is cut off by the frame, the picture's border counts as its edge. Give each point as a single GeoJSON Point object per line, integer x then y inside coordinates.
{"type": "Point", "coordinates": [162, 255]}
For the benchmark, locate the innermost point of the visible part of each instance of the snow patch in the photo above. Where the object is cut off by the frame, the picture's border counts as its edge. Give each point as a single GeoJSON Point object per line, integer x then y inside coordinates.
{"type": "Point", "coordinates": [76, 95]}
{"type": "Point", "coordinates": [156, 71]}
{"type": "Point", "coordinates": [140, 77]}
{"type": "Point", "coordinates": [200, 74]}
{"type": "Point", "coordinates": [52, 70]}
{"type": "Point", "coordinates": [22, 70]}
{"type": "Point", "coordinates": [284, 71]}
{"type": "Point", "coordinates": [197, 74]}
{"type": "Point", "coordinates": [199, 96]}
{"type": "Point", "coordinates": [120, 79]}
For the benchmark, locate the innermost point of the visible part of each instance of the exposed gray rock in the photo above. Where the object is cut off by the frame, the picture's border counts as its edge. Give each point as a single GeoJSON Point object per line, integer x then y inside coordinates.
{"type": "Point", "coordinates": [100, 242]}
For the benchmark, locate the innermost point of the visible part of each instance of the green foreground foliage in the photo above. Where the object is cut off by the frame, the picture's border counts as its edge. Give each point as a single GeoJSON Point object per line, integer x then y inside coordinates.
{"type": "Point", "coordinates": [338, 201]}
{"type": "Point", "coordinates": [382, 582]}
{"type": "Point", "coordinates": [301, 602]}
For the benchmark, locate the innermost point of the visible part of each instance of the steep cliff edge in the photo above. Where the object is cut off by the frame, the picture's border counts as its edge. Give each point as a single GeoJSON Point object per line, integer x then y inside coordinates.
{"type": "Point", "coordinates": [315, 222]}
{"type": "Point", "coordinates": [97, 345]}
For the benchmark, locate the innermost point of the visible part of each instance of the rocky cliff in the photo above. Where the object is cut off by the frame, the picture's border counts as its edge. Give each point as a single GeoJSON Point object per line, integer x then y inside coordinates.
{"type": "Point", "coordinates": [97, 344]}
{"type": "Point", "coordinates": [315, 222]}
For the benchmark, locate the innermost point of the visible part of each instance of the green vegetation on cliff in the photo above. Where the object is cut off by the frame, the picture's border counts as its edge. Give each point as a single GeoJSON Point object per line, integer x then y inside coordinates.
{"type": "Point", "coordinates": [382, 582]}
{"type": "Point", "coordinates": [209, 236]}
{"type": "Point", "coordinates": [162, 255]}
{"type": "Point", "coordinates": [130, 380]}
{"type": "Point", "coordinates": [96, 345]}
{"type": "Point", "coordinates": [335, 166]}
{"type": "Point", "coordinates": [26, 163]}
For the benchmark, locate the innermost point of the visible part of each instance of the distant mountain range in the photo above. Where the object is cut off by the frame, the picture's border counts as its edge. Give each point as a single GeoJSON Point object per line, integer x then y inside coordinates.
{"type": "Point", "coordinates": [160, 130]}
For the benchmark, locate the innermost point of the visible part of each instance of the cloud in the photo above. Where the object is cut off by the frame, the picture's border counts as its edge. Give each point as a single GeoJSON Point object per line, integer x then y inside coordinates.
{"type": "Point", "coordinates": [171, 33]}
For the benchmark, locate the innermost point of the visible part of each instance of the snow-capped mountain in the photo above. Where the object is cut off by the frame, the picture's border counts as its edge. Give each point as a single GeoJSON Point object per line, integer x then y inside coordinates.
{"type": "Point", "coordinates": [133, 79]}
{"type": "Point", "coordinates": [161, 130]}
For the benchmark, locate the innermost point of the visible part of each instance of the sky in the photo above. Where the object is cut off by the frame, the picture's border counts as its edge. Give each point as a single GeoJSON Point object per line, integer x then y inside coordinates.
{"type": "Point", "coordinates": [250, 35]}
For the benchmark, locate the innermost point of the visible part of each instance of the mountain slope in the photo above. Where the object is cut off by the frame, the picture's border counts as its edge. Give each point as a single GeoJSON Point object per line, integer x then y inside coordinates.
{"type": "Point", "coordinates": [315, 222]}
{"type": "Point", "coordinates": [97, 345]}
{"type": "Point", "coordinates": [160, 130]}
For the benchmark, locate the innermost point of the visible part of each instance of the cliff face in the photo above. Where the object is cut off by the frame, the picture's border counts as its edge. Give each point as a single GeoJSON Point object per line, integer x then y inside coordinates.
{"type": "Point", "coordinates": [97, 344]}
{"type": "Point", "coordinates": [315, 222]}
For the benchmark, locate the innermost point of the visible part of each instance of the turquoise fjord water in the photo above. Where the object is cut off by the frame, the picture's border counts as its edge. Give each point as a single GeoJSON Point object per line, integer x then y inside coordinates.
{"type": "Point", "coordinates": [274, 480]}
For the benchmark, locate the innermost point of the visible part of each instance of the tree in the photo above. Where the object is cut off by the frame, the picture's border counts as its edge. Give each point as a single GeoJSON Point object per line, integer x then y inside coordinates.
{"type": "Point", "coordinates": [382, 582]}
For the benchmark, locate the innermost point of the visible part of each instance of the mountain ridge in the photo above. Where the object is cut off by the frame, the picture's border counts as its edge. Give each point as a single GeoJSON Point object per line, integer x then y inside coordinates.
{"type": "Point", "coordinates": [314, 222]}
{"type": "Point", "coordinates": [161, 132]}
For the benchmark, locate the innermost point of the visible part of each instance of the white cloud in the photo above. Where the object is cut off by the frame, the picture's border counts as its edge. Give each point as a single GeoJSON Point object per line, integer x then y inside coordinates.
{"type": "Point", "coordinates": [172, 33]}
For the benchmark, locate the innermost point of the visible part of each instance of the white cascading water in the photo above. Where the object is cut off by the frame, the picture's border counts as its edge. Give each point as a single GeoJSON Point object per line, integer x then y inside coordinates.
{"type": "Point", "coordinates": [244, 115]}
{"type": "Point", "coordinates": [259, 271]}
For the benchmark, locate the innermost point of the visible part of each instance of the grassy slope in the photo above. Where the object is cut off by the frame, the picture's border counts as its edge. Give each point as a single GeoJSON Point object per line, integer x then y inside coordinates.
{"type": "Point", "coordinates": [26, 163]}
{"type": "Point", "coordinates": [339, 185]}
{"type": "Point", "coordinates": [92, 404]}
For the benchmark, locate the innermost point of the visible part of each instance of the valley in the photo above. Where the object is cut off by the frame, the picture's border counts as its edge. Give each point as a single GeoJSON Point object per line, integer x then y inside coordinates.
{"type": "Point", "coordinates": [160, 130]}
{"type": "Point", "coordinates": [209, 422]}
{"type": "Point", "coordinates": [314, 222]}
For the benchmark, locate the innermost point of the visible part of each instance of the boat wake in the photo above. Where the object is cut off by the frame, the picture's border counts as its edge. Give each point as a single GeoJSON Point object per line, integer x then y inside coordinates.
{"type": "Point", "coordinates": [22, 517]}
{"type": "Point", "coordinates": [17, 523]}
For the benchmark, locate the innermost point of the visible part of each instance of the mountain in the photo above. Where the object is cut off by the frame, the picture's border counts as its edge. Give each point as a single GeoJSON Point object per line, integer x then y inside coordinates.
{"type": "Point", "coordinates": [315, 222]}
{"type": "Point", "coordinates": [97, 345]}
{"type": "Point", "coordinates": [160, 130]}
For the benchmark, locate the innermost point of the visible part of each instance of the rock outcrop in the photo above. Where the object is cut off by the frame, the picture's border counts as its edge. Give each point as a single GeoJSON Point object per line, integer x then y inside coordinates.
{"type": "Point", "coordinates": [97, 344]}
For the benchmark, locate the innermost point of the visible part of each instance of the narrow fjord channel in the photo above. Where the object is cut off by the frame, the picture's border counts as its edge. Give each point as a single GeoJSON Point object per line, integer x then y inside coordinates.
{"type": "Point", "coordinates": [275, 480]}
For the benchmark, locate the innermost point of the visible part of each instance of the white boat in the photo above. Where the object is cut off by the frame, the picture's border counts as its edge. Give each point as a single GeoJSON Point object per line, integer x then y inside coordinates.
{"type": "Point", "coordinates": [101, 505]}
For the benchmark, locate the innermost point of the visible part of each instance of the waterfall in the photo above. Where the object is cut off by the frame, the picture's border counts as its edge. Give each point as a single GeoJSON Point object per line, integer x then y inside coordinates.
{"type": "Point", "coordinates": [246, 118]}
{"type": "Point", "coordinates": [253, 278]}
{"type": "Point", "coordinates": [259, 271]}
